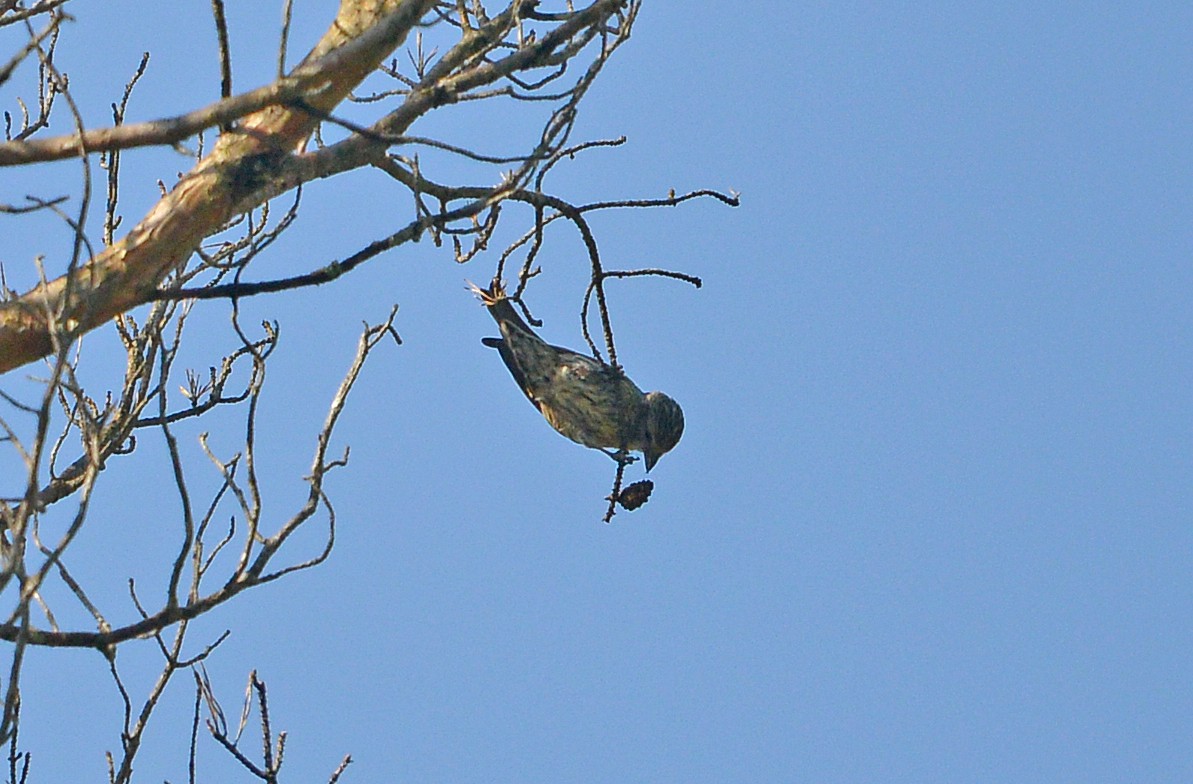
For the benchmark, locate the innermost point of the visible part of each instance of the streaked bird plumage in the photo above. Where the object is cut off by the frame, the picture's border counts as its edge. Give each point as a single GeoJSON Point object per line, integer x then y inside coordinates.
{"type": "Point", "coordinates": [591, 403]}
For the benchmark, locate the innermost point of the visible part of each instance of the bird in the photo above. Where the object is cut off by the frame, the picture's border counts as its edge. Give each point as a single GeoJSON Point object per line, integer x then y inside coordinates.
{"type": "Point", "coordinates": [583, 398]}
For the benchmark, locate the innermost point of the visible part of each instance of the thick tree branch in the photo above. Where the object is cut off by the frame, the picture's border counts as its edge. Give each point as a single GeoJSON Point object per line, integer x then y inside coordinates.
{"type": "Point", "coordinates": [363, 34]}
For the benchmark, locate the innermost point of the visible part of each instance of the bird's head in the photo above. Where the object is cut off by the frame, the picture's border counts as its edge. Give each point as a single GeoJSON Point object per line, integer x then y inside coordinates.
{"type": "Point", "coordinates": [664, 426]}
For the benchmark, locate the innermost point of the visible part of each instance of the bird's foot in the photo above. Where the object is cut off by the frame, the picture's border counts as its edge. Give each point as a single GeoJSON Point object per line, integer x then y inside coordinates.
{"type": "Point", "coordinates": [621, 456]}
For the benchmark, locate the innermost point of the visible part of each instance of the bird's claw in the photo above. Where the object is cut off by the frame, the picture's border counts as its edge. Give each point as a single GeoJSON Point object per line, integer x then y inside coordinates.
{"type": "Point", "coordinates": [621, 456]}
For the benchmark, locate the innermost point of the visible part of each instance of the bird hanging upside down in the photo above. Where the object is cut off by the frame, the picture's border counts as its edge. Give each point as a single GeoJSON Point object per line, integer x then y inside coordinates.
{"type": "Point", "coordinates": [591, 403]}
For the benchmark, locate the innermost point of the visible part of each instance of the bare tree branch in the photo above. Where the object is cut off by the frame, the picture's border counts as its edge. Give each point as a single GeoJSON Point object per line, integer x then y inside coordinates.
{"type": "Point", "coordinates": [200, 242]}
{"type": "Point", "coordinates": [127, 273]}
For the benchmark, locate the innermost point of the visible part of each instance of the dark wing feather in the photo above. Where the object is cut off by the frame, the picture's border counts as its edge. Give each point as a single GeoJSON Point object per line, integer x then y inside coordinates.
{"type": "Point", "coordinates": [531, 361]}
{"type": "Point", "coordinates": [511, 362]}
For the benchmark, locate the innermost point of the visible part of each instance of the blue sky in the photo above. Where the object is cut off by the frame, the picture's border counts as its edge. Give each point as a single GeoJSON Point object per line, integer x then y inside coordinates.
{"type": "Point", "coordinates": [930, 519]}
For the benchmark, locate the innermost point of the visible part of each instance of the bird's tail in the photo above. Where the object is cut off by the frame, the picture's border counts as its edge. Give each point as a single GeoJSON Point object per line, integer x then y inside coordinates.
{"type": "Point", "coordinates": [497, 301]}
{"type": "Point", "coordinates": [490, 296]}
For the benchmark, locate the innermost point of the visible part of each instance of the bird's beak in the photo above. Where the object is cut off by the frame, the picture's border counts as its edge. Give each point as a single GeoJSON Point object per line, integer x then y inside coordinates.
{"type": "Point", "coordinates": [651, 459]}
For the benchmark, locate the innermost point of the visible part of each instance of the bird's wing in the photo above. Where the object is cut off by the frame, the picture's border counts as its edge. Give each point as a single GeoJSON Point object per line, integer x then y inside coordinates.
{"type": "Point", "coordinates": [511, 362]}
{"type": "Point", "coordinates": [532, 362]}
